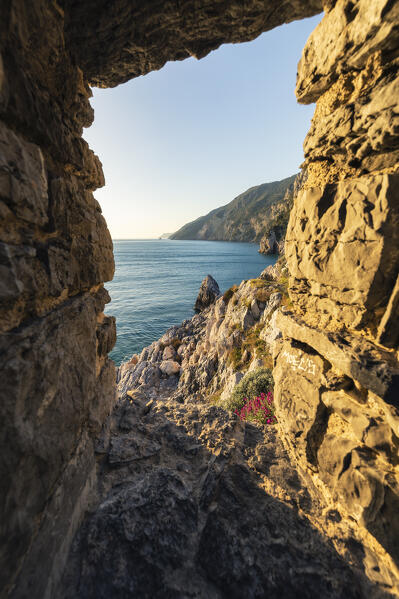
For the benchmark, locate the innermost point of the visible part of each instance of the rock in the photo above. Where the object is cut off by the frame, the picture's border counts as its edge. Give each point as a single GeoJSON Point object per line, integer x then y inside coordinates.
{"type": "Point", "coordinates": [183, 349]}
{"type": "Point", "coordinates": [176, 479]}
{"type": "Point", "coordinates": [205, 533]}
{"type": "Point", "coordinates": [255, 309]}
{"type": "Point", "coordinates": [255, 364]}
{"type": "Point", "coordinates": [269, 244]}
{"type": "Point", "coordinates": [271, 273]}
{"type": "Point", "coordinates": [340, 276]}
{"type": "Point", "coordinates": [150, 375]}
{"type": "Point", "coordinates": [168, 353]}
{"type": "Point", "coordinates": [208, 293]}
{"type": "Point", "coordinates": [273, 303]}
{"type": "Point", "coordinates": [169, 367]}
{"type": "Point", "coordinates": [232, 381]}
{"type": "Point", "coordinates": [388, 330]}
{"type": "Point", "coordinates": [271, 332]}
{"type": "Point", "coordinates": [375, 368]}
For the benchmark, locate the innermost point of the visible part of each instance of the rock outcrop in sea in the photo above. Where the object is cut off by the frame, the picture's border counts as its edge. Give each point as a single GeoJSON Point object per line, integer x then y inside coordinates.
{"type": "Point", "coordinates": [270, 245]}
{"type": "Point", "coordinates": [208, 293]}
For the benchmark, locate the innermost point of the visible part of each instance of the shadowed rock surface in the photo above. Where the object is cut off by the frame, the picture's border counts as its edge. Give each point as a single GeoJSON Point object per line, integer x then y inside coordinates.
{"type": "Point", "coordinates": [196, 503]}
{"type": "Point", "coordinates": [208, 293]}
{"type": "Point", "coordinates": [127, 39]}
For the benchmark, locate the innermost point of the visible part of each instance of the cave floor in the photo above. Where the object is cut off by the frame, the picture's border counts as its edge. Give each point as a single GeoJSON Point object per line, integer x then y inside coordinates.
{"type": "Point", "coordinates": [195, 503]}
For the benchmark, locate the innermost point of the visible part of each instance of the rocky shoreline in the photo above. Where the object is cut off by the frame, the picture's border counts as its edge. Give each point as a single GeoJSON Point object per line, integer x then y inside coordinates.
{"type": "Point", "coordinates": [193, 502]}
{"type": "Point", "coordinates": [209, 353]}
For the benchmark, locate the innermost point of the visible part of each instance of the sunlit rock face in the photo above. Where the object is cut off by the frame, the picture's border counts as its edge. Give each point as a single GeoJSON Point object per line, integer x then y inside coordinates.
{"type": "Point", "coordinates": [336, 371]}
{"type": "Point", "coordinates": [339, 425]}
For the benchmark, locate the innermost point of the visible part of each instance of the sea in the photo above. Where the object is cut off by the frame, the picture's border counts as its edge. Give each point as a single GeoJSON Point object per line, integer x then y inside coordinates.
{"type": "Point", "coordinates": [157, 281]}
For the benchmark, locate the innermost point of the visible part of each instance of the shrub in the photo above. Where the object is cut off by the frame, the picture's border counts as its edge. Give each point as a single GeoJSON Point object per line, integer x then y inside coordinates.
{"type": "Point", "coordinates": [235, 357]}
{"type": "Point", "coordinates": [258, 283]}
{"type": "Point", "coordinates": [263, 295]}
{"type": "Point", "coordinates": [229, 294]}
{"type": "Point", "coordinates": [251, 385]}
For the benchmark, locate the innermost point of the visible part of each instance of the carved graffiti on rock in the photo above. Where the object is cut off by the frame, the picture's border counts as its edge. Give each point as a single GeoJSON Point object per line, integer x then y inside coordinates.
{"type": "Point", "coordinates": [300, 362]}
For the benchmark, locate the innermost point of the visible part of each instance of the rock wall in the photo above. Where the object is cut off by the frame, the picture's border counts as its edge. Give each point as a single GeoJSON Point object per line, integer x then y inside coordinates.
{"type": "Point", "coordinates": [56, 251]}
{"type": "Point", "coordinates": [337, 371]}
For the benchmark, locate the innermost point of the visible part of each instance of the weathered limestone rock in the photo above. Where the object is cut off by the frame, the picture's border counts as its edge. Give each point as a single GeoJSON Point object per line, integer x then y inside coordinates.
{"type": "Point", "coordinates": [55, 253]}
{"type": "Point", "coordinates": [128, 39]}
{"type": "Point", "coordinates": [269, 244]}
{"type": "Point", "coordinates": [193, 501]}
{"type": "Point", "coordinates": [170, 367]}
{"type": "Point", "coordinates": [388, 330]}
{"type": "Point", "coordinates": [349, 278]}
{"type": "Point", "coordinates": [336, 367]}
{"type": "Point", "coordinates": [169, 353]}
{"type": "Point", "coordinates": [205, 343]}
{"type": "Point", "coordinates": [270, 273]}
{"type": "Point", "coordinates": [338, 433]}
{"type": "Point", "coordinates": [208, 293]}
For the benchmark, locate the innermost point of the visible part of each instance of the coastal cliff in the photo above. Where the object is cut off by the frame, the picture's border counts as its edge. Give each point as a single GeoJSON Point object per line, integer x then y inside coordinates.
{"type": "Point", "coordinates": [273, 240]}
{"type": "Point", "coordinates": [246, 218]}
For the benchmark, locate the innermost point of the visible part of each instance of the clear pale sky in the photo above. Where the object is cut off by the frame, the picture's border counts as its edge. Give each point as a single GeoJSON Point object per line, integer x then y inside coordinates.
{"type": "Point", "coordinates": [184, 140]}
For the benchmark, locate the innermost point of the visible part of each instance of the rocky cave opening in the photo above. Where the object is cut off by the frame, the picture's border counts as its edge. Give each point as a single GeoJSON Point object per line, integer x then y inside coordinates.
{"type": "Point", "coordinates": [339, 421]}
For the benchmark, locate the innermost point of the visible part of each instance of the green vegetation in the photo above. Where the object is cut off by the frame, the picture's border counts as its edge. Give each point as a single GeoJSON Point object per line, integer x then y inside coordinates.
{"type": "Point", "coordinates": [263, 295]}
{"type": "Point", "coordinates": [252, 346]}
{"type": "Point", "coordinates": [229, 294]}
{"type": "Point", "coordinates": [214, 398]}
{"type": "Point", "coordinates": [235, 357]}
{"type": "Point", "coordinates": [251, 385]}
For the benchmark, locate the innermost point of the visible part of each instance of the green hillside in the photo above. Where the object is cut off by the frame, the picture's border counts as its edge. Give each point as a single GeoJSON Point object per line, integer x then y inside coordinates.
{"type": "Point", "coordinates": [246, 218]}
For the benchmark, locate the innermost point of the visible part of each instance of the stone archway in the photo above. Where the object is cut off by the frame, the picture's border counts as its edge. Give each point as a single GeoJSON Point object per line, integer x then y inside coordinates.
{"type": "Point", "coordinates": [340, 342]}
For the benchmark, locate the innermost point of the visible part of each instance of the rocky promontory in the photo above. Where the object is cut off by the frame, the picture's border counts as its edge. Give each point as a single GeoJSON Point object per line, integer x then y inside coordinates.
{"type": "Point", "coordinates": [248, 217]}
{"type": "Point", "coordinates": [273, 241]}
{"type": "Point", "coordinates": [194, 501]}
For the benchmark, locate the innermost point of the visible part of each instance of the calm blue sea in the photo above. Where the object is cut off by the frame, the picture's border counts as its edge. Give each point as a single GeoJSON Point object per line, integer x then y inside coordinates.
{"type": "Point", "coordinates": [156, 283]}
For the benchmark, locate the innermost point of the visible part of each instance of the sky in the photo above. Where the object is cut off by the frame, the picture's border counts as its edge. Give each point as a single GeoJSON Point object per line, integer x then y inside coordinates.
{"type": "Point", "coordinates": [179, 142]}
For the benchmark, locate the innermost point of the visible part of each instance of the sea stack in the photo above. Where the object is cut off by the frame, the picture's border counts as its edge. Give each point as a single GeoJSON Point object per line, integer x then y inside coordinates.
{"type": "Point", "coordinates": [208, 293]}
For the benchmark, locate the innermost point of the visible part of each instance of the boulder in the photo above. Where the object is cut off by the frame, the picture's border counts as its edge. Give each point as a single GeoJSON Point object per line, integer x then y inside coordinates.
{"type": "Point", "coordinates": [271, 273]}
{"type": "Point", "coordinates": [208, 293]}
{"type": "Point", "coordinates": [168, 353]}
{"type": "Point", "coordinates": [169, 367]}
{"type": "Point", "coordinates": [269, 244]}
